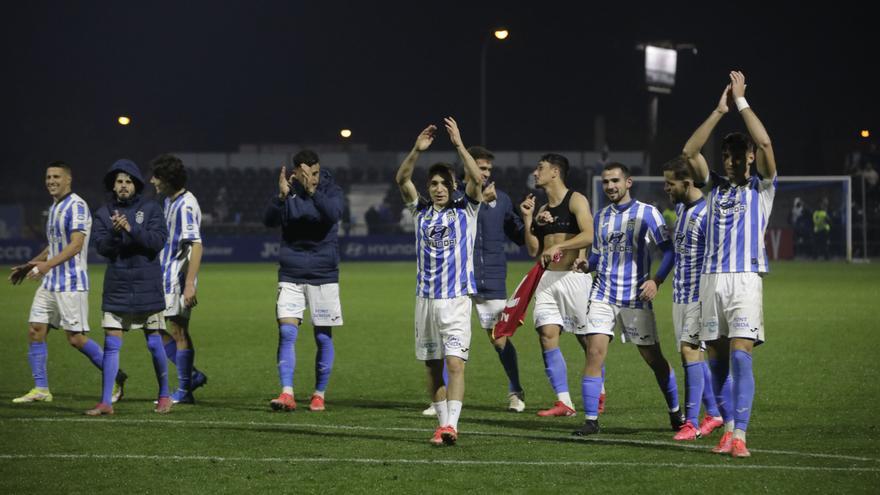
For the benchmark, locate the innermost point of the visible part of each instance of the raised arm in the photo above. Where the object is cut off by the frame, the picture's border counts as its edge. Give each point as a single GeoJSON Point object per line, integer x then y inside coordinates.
{"type": "Point", "coordinates": [527, 207]}
{"type": "Point", "coordinates": [404, 172]}
{"type": "Point", "coordinates": [275, 209]}
{"type": "Point", "coordinates": [765, 161]}
{"type": "Point", "coordinates": [473, 186]}
{"type": "Point", "coordinates": [692, 147]}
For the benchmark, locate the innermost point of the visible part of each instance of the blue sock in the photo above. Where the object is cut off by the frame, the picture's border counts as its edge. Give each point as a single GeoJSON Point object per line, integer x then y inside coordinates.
{"type": "Point", "coordinates": [160, 362]}
{"type": "Point", "coordinates": [184, 362]}
{"type": "Point", "coordinates": [721, 386]}
{"type": "Point", "coordinates": [603, 374]}
{"type": "Point", "coordinates": [286, 353]}
{"type": "Point", "coordinates": [110, 367]}
{"type": "Point", "coordinates": [37, 356]}
{"type": "Point", "coordinates": [743, 388]}
{"type": "Point", "coordinates": [511, 366]}
{"type": "Point", "coordinates": [445, 373]}
{"type": "Point", "coordinates": [171, 351]}
{"type": "Point", "coordinates": [557, 372]}
{"type": "Point", "coordinates": [324, 355]}
{"type": "Point", "coordinates": [667, 384]}
{"type": "Point", "coordinates": [693, 383]}
{"type": "Point", "coordinates": [591, 387]}
{"type": "Point", "coordinates": [93, 351]}
{"type": "Point", "coordinates": [708, 395]}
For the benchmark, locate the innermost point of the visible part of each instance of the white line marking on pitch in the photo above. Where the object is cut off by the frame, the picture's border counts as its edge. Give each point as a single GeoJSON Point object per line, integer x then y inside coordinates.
{"type": "Point", "coordinates": [609, 440]}
{"type": "Point", "coordinates": [357, 460]}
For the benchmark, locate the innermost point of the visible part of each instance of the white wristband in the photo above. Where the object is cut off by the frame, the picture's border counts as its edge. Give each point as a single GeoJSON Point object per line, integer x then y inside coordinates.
{"type": "Point", "coordinates": [741, 103]}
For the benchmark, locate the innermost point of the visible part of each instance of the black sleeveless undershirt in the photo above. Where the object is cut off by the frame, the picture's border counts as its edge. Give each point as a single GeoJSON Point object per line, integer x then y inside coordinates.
{"type": "Point", "coordinates": [564, 222]}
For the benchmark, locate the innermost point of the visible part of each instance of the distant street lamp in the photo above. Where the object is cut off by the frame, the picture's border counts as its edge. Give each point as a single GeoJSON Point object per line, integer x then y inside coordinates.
{"type": "Point", "coordinates": [500, 34]}
{"type": "Point", "coordinates": [865, 133]}
{"type": "Point", "coordinates": [123, 120]}
{"type": "Point", "coordinates": [346, 133]}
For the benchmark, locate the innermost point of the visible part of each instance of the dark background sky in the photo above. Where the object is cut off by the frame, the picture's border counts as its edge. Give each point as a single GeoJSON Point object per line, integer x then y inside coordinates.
{"type": "Point", "coordinates": [200, 76]}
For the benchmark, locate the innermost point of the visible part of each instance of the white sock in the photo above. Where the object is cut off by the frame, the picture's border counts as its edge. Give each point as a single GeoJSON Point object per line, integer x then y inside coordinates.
{"type": "Point", "coordinates": [319, 393]}
{"type": "Point", "coordinates": [675, 409]}
{"type": "Point", "coordinates": [739, 434]}
{"type": "Point", "coordinates": [728, 427]}
{"type": "Point", "coordinates": [454, 413]}
{"type": "Point", "coordinates": [565, 398]}
{"type": "Point", "coordinates": [442, 409]}
{"type": "Point", "coordinates": [591, 417]}
{"type": "Point", "coordinates": [287, 390]}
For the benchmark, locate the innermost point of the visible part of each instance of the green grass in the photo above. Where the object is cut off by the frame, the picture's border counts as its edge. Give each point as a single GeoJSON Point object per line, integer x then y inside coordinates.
{"type": "Point", "coordinates": [813, 426]}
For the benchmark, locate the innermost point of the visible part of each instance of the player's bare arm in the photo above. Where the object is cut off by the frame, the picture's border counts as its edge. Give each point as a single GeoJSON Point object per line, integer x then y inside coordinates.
{"type": "Point", "coordinates": [527, 207]}
{"type": "Point", "coordinates": [765, 161]}
{"type": "Point", "coordinates": [77, 239]}
{"type": "Point", "coordinates": [696, 142]}
{"type": "Point", "coordinates": [195, 262]}
{"type": "Point", "coordinates": [472, 176]}
{"type": "Point", "coordinates": [19, 272]}
{"type": "Point", "coordinates": [404, 172]}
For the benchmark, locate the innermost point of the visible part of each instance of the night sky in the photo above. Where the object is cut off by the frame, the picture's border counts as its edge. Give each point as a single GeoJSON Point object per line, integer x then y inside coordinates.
{"type": "Point", "coordinates": [198, 76]}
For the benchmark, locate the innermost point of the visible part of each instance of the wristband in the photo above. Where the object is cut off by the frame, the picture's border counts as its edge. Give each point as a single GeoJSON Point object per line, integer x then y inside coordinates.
{"type": "Point", "coordinates": [741, 103]}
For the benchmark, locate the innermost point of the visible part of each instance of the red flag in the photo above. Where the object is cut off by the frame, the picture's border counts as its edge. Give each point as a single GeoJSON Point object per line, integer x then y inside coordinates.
{"type": "Point", "coordinates": [515, 309]}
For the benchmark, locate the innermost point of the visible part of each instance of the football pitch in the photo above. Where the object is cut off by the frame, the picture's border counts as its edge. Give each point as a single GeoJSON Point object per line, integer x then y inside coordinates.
{"type": "Point", "coordinates": [813, 428]}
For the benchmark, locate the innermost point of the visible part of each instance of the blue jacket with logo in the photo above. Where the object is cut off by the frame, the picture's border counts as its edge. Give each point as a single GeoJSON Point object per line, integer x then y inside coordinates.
{"type": "Point", "coordinates": [309, 225]}
{"type": "Point", "coordinates": [497, 222]}
{"type": "Point", "coordinates": [133, 281]}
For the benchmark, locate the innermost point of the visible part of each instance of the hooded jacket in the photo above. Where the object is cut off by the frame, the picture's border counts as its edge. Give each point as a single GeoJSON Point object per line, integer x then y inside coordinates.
{"type": "Point", "coordinates": [309, 226]}
{"type": "Point", "coordinates": [133, 281]}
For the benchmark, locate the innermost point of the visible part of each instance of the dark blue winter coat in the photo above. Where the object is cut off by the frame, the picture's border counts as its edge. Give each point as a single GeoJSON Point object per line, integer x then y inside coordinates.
{"type": "Point", "coordinates": [309, 224]}
{"type": "Point", "coordinates": [496, 223]}
{"type": "Point", "coordinates": [133, 281]}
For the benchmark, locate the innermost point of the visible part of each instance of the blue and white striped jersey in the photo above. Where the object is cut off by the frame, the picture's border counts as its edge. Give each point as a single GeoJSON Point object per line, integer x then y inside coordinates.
{"type": "Point", "coordinates": [620, 239]}
{"type": "Point", "coordinates": [183, 217]}
{"type": "Point", "coordinates": [738, 218]}
{"type": "Point", "coordinates": [68, 215]}
{"type": "Point", "coordinates": [444, 248]}
{"type": "Point", "coordinates": [690, 251]}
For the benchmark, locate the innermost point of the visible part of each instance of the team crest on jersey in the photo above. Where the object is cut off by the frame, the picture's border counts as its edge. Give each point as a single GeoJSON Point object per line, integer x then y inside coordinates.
{"type": "Point", "coordinates": [450, 215]}
{"type": "Point", "coordinates": [631, 224]}
{"type": "Point", "coordinates": [139, 217]}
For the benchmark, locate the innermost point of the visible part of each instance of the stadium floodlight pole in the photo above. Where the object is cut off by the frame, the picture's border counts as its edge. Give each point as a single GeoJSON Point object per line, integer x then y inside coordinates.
{"type": "Point", "coordinates": [500, 34]}
{"type": "Point", "coordinates": [661, 58]}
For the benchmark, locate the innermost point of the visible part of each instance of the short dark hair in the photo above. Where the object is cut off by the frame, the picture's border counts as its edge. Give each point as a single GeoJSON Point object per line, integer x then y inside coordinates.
{"type": "Point", "coordinates": [446, 171]}
{"type": "Point", "coordinates": [479, 152]}
{"type": "Point", "coordinates": [617, 165]}
{"type": "Point", "coordinates": [679, 167]}
{"type": "Point", "coordinates": [60, 164]}
{"type": "Point", "coordinates": [308, 157]}
{"type": "Point", "coordinates": [558, 161]}
{"type": "Point", "coordinates": [169, 169]}
{"type": "Point", "coordinates": [737, 144]}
